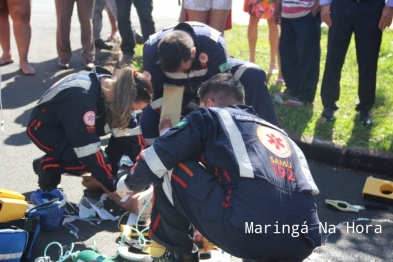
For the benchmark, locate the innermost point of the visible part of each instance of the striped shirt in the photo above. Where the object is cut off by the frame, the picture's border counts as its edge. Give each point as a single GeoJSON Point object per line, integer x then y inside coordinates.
{"type": "Point", "coordinates": [296, 8]}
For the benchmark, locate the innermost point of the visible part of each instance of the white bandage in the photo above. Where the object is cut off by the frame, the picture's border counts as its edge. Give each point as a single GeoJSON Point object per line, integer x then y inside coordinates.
{"type": "Point", "coordinates": [121, 188]}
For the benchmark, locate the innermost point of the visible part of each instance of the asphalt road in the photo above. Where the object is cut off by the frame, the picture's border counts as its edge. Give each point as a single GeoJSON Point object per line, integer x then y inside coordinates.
{"type": "Point", "coordinates": [20, 93]}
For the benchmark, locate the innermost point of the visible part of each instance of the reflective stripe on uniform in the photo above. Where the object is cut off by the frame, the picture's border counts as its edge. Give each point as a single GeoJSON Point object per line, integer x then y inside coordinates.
{"type": "Point", "coordinates": [75, 80]}
{"type": "Point", "coordinates": [192, 73]}
{"type": "Point", "coordinates": [117, 132]}
{"type": "Point", "coordinates": [305, 169]}
{"type": "Point", "coordinates": [167, 186]}
{"type": "Point", "coordinates": [239, 72]}
{"type": "Point", "coordinates": [238, 146]}
{"type": "Point", "coordinates": [87, 150]}
{"type": "Point", "coordinates": [153, 38]}
{"type": "Point", "coordinates": [11, 256]}
{"type": "Point", "coordinates": [154, 162]}
{"type": "Point", "coordinates": [107, 129]}
{"type": "Point", "coordinates": [214, 34]}
{"type": "Point", "coordinates": [156, 103]}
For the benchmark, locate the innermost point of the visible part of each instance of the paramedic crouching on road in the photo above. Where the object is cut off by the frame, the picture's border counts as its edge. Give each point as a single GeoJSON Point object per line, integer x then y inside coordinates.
{"type": "Point", "coordinates": [239, 180]}
{"type": "Point", "coordinates": [69, 118]}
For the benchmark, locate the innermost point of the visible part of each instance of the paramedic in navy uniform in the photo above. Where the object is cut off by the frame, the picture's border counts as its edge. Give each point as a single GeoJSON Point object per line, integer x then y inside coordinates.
{"type": "Point", "coordinates": [223, 168]}
{"type": "Point", "coordinates": [69, 118]}
{"type": "Point", "coordinates": [188, 55]}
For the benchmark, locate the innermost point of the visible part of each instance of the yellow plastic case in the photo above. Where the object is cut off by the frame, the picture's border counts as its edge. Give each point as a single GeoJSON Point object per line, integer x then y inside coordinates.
{"type": "Point", "coordinates": [12, 205]}
{"type": "Point", "coordinates": [378, 189]}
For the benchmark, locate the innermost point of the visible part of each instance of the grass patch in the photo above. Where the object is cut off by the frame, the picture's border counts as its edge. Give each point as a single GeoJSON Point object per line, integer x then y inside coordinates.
{"type": "Point", "coordinates": [345, 130]}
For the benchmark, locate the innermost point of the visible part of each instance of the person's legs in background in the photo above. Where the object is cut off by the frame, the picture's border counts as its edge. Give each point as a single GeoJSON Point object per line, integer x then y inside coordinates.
{"type": "Point", "coordinates": [218, 19]}
{"type": "Point", "coordinates": [252, 35]}
{"type": "Point", "coordinates": [97, 25]}
{"type": "Point", "coordinates": [20, 13]}
{"type": "Point", "coordinates": [196, 15]}
{"type": "Point", "coordinates": [339, 37]}
{"type": "Point", "coordinates": [64, 10]}
{"type": "Point", "coordinates": [367, 56]}
{"type": "Point", "coordinates": [144, 8]}
{"type": "Point", "coordinates": [289, 57]}
{"type": "Point", "coordinates": [308, 34]}
{"type": "Point", "coordinates": [274, 54]}
{"type": "Point", "coordinates": [124, 24]}
{"type": "Point", "coordinates": [85, 15]}
{"type": "Point", "coordinates": [5, 36]}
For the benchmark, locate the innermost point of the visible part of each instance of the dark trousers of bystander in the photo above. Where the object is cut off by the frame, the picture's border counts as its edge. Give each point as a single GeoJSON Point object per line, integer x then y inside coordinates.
{"type": "Point", "coordinates": [144, 9]}
{"type": "Point", "coordinates": [360, 18]}
{"type": "Point", "coordinates": [300, 55]}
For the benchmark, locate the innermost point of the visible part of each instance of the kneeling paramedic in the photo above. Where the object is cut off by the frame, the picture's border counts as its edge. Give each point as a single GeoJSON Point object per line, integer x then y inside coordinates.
{"type": "Point", "coordinates": [69, 118]}
{"type": "Point", "coordinates": [236, 178]}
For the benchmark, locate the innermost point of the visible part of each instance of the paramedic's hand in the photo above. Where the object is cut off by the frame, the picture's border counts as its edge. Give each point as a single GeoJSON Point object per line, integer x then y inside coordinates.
{"type": "Point", "coordinates": [121, 188]}
{"type": "Point", "coordinates": [165, 125]}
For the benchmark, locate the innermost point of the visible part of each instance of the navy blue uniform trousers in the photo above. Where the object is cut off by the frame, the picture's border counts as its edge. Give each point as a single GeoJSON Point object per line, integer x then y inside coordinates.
{"type": "Point", "coordinates": [200, 198]}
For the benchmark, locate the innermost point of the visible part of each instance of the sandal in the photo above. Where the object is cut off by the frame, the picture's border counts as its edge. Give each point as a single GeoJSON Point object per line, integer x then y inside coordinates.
{"type": "Point", "coordinates": [114, 38]}
{"type": "Point", "coordinates": [272, 69]}
{"type": "Point", "coordinates": [280, 82]}
{"type": "Point", "coordinates": [294, 102]}
{"type": "Point", "coordinates": [4, 62]}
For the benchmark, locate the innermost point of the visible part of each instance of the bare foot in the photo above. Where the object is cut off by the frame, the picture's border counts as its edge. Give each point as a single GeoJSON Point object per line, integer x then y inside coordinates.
{"type": "Point", "coordinates": [27, 69]}
{"type": "Point", "coordinates": [165, 125]}
{"type": "Point", "coordinates": [6, 60]}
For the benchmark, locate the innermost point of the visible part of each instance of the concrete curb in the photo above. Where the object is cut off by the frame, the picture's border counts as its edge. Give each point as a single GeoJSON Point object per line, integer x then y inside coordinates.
{"type": "Point", "coordinates": [359, 159]}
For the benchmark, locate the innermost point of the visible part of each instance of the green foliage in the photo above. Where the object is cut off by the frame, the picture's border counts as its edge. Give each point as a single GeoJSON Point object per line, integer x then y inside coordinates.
{"type": "Point", "coordinates": [306, 120]}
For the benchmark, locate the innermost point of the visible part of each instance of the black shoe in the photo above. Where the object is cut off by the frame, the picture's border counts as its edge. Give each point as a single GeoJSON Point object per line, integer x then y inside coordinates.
{"type": "Point", "coordinates": [63, 65]}
{"type": "Point", "coordinates": [328, 113]}
{"type": "Point", "coordinates": [138, 37]}
{"type": "Point", "coordinates": [170, 256]}
{"type": "Point", "coordinates": [100, 44]}
{"type": "Point", "coordinates": [365, 118]}
{"type": "Point", "coordinates": [46, 181]}
{"type": "Point", "coordinates": [126, 60]}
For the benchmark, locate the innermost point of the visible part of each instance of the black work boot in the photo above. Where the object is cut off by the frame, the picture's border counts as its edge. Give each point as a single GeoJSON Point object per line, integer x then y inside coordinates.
{"type": "Point", "coordinates": [170, 256]}
{"type": "Point", "coordinates": [46, 181]}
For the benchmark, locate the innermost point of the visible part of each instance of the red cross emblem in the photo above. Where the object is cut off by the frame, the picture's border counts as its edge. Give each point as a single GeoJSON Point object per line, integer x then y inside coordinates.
{"type": "Point", "coordinates": [274, 141]}
{"type": "Point", "coordinates": [89, 118]}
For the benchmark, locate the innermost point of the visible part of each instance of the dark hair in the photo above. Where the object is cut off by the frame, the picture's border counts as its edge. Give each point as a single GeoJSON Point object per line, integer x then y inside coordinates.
{"type": "Point", "coordinates": [223, 89]}
{"type": "Point", "coordinates": [174, 48]}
